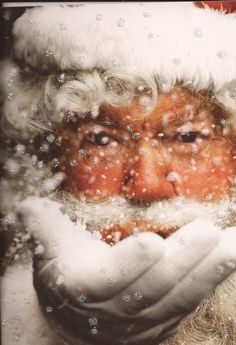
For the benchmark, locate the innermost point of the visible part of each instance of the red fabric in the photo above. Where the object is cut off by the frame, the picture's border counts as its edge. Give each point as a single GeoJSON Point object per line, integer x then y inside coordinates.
{"type": "Point", "coordinates": [228, 6]}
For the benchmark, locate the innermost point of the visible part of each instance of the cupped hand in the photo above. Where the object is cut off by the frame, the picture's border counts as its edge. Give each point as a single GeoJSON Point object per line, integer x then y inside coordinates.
{"type": "Point", "coordinates": [135, 292]}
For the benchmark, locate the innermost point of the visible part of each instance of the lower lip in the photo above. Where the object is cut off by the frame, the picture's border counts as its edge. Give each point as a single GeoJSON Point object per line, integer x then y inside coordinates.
{"type": "Point", "coordinates": [118, 232]}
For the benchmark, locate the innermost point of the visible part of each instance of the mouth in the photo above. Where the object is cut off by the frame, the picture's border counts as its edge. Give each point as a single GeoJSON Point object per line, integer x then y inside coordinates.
{"type": "Point", "coordinates": [117, 232]}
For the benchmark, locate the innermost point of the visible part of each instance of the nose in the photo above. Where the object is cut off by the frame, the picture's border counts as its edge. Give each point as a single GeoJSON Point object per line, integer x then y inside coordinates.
{"type": "Point", "coordinates": [147, 174]}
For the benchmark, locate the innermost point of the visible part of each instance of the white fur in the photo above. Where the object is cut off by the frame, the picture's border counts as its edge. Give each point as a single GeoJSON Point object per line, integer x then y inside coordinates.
{"type": "Point", "coordinates": [86, 42]}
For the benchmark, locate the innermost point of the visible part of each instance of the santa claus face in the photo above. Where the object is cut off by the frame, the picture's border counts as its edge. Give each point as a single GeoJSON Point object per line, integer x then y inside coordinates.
{"type": "Point", "coordinates": [182, 147]}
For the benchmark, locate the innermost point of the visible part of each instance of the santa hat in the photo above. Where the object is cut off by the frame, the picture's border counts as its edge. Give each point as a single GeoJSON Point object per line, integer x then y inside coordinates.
{"type": "Point", "coordinates": [172, 42]}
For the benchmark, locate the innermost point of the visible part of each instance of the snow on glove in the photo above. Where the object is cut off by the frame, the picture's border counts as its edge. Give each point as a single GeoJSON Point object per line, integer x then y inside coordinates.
{"type": "Point", "coordinates": [135, 292]}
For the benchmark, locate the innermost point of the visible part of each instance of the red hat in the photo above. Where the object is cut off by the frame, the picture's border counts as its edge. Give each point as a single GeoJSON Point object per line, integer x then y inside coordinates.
{"type": "Point", "coordinates": [226, 6]}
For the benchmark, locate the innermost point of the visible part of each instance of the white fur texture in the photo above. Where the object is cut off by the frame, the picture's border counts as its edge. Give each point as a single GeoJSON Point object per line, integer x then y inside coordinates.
{"type": "Point", "coordinates": [138, 37]}
{"type": "Point", "coordinates": [163, 42]}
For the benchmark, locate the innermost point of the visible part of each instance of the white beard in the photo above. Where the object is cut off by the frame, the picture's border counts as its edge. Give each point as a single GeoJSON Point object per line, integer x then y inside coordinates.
{"type": "Point", "coordinates": [214, 321]}
{"type": "Point", "coordinates": [167, 213]}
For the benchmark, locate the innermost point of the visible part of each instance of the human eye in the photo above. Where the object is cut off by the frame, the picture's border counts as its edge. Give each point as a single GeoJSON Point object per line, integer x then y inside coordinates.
{"type": "Point", "coordinates": [99, 139]}
{"type": "Point", "coordinates": [188, 137]}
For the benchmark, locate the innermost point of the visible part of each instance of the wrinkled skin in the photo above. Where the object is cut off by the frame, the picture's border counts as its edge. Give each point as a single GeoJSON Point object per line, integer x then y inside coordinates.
{"type": "Point", "coordinates": [180, 135]}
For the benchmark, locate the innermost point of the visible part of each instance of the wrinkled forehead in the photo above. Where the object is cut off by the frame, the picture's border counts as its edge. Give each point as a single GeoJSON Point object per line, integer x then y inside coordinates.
{"type": "Point", "coordinates": [172, 108]}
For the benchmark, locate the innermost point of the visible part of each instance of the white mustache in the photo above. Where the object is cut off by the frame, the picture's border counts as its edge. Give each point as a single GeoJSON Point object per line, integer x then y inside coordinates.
{"type": "Point", "coordinates": [166, 213]}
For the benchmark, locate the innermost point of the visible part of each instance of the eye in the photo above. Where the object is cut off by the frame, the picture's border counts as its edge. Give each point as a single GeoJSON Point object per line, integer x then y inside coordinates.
{"type": "Point", "coordinates": [188, 137]}
{"type": "Point", "coordinates": [100, 139]}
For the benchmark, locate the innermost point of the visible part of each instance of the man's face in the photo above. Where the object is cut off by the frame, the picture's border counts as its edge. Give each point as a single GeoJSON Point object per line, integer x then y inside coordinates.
{"type": "Point", "coordinates": [183, 147]}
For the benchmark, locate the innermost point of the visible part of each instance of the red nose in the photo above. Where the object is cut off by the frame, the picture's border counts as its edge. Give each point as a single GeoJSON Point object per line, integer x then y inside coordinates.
{"type": "Point", "coordinates": [148, 175]}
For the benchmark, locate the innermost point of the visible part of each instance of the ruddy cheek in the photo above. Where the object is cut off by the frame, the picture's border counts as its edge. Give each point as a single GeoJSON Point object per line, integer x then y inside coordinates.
{"type": "Point", "coordinates": [206, 186]}
{"type": "Point", "coordinates": [205, 180]}
{"type": "Point", "coordinates": [96, 181]}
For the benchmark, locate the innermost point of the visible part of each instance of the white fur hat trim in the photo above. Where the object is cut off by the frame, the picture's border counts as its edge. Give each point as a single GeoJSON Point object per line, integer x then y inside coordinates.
{"type": "Point", "coordinates": [172, 41]}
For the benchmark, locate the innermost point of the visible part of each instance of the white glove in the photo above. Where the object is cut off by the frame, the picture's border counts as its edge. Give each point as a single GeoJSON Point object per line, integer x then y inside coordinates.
{"type": "Point", "coordinates": [135, 292]}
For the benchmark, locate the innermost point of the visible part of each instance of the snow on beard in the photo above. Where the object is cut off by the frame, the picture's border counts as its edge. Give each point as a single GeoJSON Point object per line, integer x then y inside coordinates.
{"type": "Point", "coordinates": [116, 218]}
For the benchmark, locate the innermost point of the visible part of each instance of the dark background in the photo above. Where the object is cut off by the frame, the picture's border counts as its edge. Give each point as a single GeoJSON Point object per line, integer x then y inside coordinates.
{"type": "Point", "coordinates": [8, 16]}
